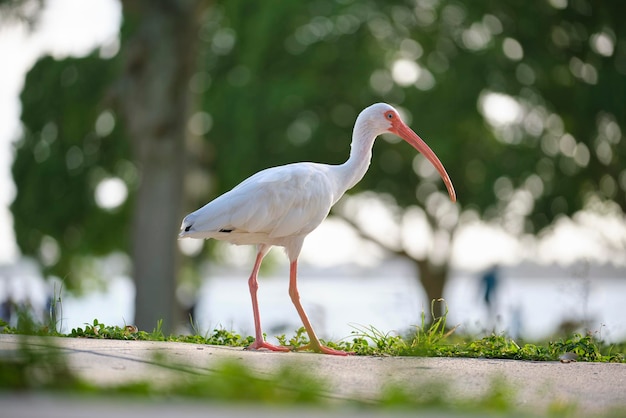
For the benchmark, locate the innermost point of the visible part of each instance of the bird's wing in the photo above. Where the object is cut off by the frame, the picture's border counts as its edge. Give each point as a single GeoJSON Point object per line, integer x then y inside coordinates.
{"type": "Point", "coordinates": [280, 201]}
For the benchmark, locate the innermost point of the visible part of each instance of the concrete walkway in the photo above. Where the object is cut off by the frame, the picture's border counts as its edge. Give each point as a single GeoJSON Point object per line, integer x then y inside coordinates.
{"type": "Point", "coordinates": [593, 387]}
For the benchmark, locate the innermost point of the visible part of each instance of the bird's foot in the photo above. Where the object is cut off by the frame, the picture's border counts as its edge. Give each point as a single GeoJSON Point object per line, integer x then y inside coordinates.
{"type": "Point", "coordinates": [319, 348]}
{"type": "Point", "coordinates": [264, 345]}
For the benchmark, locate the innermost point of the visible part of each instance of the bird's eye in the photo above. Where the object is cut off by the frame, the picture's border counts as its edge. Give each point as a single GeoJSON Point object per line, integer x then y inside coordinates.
{"type": "Point", "coordinates": [389, 115]}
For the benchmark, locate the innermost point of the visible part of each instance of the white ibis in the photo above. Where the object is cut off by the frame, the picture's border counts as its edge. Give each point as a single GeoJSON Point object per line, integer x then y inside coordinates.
{"type": "Point", "coordinates": [282, 205]}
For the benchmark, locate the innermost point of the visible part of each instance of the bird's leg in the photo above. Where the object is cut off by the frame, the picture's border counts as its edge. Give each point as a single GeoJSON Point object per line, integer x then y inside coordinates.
{"type": "Point", "coordinates": [259, 342]}
{"type": "Point", "coordinates": [314, 344]}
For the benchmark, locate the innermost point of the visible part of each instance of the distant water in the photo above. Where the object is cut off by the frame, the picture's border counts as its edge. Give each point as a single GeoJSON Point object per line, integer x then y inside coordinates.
{"type": "Point", "coordinates": [529, 308]}
{"type": "Point", "coordinates": [530, 302]}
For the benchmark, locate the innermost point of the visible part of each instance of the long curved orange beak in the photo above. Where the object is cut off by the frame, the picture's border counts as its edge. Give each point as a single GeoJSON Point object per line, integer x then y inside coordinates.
{"type": "Point", "coordinates": [403, 131]}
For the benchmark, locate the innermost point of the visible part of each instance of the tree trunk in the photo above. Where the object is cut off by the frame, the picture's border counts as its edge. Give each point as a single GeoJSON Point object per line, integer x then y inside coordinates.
{"type": "Point", "coordinates": [160, 58]}
{"type": "Point", "coordinates": [433, 280]}
{"type": "Point", "coordinates": [432, 277]}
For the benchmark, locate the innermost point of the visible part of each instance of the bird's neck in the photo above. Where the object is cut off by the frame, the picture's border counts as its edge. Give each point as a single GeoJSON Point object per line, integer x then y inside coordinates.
{"type": "Point", "coordinates": [353, 170]}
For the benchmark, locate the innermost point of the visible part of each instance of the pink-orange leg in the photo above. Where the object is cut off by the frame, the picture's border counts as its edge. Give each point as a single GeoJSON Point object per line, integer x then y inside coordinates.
{"type": "Point", "coordinates": [259, 342]}
{"type": "Point", "coordinates": [314, 344]}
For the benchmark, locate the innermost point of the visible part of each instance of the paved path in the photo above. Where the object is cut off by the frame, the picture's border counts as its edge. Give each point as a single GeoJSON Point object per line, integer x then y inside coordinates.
{"type": "Point", "coordinates": [594, 387]}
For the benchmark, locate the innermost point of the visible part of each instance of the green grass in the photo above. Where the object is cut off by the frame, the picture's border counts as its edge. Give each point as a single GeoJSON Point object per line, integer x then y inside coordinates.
{"type": "Point", "coordinates": [432, 337]}
{"type": "Point", "coordinates": [435, 339]}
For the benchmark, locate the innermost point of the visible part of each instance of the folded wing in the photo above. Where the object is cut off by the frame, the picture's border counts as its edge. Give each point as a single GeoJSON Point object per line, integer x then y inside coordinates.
{"type": "Point", "coordinates": [278, 202]}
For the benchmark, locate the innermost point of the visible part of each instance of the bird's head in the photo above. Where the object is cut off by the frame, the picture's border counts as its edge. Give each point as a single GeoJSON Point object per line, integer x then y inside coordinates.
{"type": "Point", "coordinates": [383, 118]}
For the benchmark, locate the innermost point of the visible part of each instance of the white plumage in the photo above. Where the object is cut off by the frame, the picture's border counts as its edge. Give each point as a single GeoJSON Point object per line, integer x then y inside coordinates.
{"type": "Point", "coordinates": [280, 206]}
{"type": "Point", "coordinates": [273, 204]}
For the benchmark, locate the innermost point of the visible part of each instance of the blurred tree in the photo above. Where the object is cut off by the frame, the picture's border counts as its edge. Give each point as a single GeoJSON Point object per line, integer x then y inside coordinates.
{"type": "Point", "coordinates": [527, 105]}
{"type": "Point", "coordinates": [74, 140]}
{"type": "Point", "coordinates": [524, 106]}
{"type": "Point", "coordinates": [71, 146]}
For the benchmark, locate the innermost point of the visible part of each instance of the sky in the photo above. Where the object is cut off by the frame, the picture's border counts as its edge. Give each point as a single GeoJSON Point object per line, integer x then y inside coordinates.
{"type": "Point", "coordinates": [75, 28]}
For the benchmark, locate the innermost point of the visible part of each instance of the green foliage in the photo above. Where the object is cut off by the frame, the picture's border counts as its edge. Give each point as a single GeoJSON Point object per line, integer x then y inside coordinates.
{"type": "Point", "coordinates": [429, 335]}
{"type": "Point", "coordinates": [129, 332]}
{"type": "Point", "coordinates": [582, 348]}
{"type": "Point", "coordinates": [283, 96]}
{"type": "Point", "coordinates": [272, 96]}
{"type": "Point", "coordinates": [587, 348]}
{"type": "Point", "coordinates": [371, 341]}
{"type": "Point", "coordinates": [426, 340]}
{"type": "Point", "coordinates": [37, 368]}
{"type": "Point", "coordinates": [436, 339]}
{"type": "Point", "coordinates": [299, 339]}
{"type": "Point", "coordinates": [499, 346]}
{"type": "Point", "coordinates": [237, 382]}
{"type": "Point", "coordinates": [28, 325]}
{"type": "Point", "coordinates": [497, 398]}
{"type": "Point", "coordinates": [231, 381]}
{"type": "Point", "coordinates": [431, 338]}
{"type": "Point", "coordinates": [72, 141]}
{"type": "Point", "coordinates": [219, 337]}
